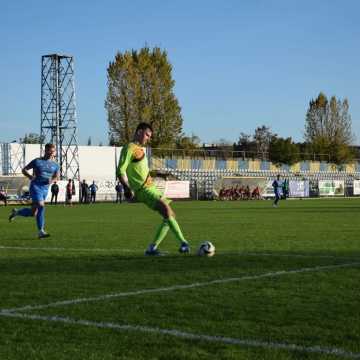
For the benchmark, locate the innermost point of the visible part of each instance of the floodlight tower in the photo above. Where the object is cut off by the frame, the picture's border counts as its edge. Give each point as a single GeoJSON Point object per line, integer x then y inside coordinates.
{"type": "Point", "coordinates": [58, 112]}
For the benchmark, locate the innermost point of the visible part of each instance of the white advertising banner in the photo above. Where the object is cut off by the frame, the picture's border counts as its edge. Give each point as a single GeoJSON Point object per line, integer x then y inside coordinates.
{"type": "Point", "coordinates": [268, 191]}
{"type": "Point", "coordinates": [177, 189]}
{"type": "Point", "coordinates": [331, 188]}
{"type": "Point", "coordinates": [105, 190]}
{"type": "Point", "coordinates": [356, 187]}
{"type": "Point", "coordinates": [299, 188]}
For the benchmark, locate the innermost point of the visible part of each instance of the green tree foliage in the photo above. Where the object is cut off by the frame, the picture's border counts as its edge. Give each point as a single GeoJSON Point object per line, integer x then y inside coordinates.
{"type": "Point", "coordinates": [140, 88]}
{"type": "Point", "coordinates": [31, 138]}
{"type": "Point", "coordinates": [256, 145]}
{"type": "Point", "coordinates": [188, 142]}
{"type": "Point", "coordinates": [328, 128]}
{"type": "Point", "coordinates": [245, 143]}
{"type": "Point", "coordinates": [262, 138]}
{"type": "Point", "coordinates": [283, 151]}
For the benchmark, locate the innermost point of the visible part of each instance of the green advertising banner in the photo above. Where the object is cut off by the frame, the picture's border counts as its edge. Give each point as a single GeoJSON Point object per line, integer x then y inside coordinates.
{"type": "Point", "coordinates": [331, 188]}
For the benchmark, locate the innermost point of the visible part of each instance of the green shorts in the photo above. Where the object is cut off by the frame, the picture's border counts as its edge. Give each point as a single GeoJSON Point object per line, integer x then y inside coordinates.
{"type": "Point", "coordinates": [150, 196]}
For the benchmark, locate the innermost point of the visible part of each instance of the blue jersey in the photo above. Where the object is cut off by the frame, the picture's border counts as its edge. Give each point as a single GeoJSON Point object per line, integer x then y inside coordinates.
{"type": "Point", "coordinates": [44, 170]}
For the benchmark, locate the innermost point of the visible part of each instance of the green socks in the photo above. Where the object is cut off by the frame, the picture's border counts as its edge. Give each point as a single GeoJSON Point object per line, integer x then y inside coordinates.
{"type": "Point", "coordinates": [175, 228]}
{"type": "Point", "coordinates": [161, 232]}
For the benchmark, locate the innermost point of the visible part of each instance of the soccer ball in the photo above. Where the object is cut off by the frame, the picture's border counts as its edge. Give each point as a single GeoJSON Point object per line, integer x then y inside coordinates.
{"type": "Point", "coordinates": [206, 249]}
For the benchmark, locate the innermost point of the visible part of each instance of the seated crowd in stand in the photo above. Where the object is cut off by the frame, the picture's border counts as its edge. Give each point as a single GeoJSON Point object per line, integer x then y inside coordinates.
{"type": "Point", "coordinates": [240, 193]}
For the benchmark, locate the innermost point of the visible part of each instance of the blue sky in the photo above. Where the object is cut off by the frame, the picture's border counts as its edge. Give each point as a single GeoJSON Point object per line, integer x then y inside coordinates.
{"type": "Point", "coordinates": [237, 64]}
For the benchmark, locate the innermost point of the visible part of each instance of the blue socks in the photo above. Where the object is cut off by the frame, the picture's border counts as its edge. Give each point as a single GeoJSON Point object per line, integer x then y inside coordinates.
{"type": "Point", "coordinates": [40, 217]}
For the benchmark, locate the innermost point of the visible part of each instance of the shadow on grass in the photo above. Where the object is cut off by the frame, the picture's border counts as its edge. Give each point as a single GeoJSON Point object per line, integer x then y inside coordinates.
{"type": "Point", "coordinates": [48, 261]}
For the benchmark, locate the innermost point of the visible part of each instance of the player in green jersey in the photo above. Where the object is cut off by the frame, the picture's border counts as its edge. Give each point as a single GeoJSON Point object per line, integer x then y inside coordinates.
{"type": "Point", "coordinates": [133, 173]}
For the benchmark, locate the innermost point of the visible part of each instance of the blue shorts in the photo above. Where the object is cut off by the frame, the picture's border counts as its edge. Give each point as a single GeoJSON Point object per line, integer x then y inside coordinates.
{"type": "Point", "coordinates": [38, 192]}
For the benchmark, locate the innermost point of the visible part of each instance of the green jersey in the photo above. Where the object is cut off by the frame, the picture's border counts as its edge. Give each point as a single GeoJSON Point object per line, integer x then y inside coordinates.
{"type": "Point", "coordinates": [133, 163]}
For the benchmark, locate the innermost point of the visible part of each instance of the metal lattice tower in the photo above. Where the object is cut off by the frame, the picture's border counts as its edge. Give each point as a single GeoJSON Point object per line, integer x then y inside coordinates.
{"type": "Point", "coordinates": [12, 158]}
{"type": "Point", "coordinates": [58, 112]}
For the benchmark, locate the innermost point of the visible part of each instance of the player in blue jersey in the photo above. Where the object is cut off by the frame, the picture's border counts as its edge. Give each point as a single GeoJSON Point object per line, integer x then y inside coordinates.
{"type": "Point", "coordinates": [45, 171]}
{"type": "Point", "coordinates": [277, 183]}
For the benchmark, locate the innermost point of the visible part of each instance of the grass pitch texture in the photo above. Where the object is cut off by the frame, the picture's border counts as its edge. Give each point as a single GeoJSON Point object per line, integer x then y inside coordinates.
{"type": "Point", "coordinates": [284, 283]}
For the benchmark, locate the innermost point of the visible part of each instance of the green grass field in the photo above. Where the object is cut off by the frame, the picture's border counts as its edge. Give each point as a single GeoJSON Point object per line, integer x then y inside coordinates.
{"type": "Point", "coordinates": [284, 283]}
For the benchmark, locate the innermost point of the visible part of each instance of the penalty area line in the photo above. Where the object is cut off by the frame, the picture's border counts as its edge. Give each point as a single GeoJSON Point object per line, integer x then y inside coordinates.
{"type": "Point", "coordinates": [180, 287]}
{"type": "Point", "coordinates": [190, 336]}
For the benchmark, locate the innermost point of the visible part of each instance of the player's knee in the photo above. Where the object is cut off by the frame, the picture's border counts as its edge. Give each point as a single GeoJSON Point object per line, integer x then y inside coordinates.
{"type": "Point", "coordinates": [169, 211]}
{"type": "Point", "coordinates": [164, 209]}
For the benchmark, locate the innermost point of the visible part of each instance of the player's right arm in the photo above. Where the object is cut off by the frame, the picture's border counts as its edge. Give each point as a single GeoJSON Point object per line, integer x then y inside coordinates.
{"type": "Point", "coordinates": [125, 159]}
{"type": "Point", "coordinates": [26, 169]}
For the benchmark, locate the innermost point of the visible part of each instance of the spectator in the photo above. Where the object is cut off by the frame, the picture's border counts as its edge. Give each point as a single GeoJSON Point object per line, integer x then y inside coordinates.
{"type": "Point", "coordinates": [119, 192]}
{"type": "Point", "coordinates": [54, 192]}
{"type": "Point", "coordinates": [247, 193]}
{"type": "Point", "coordinates": [93, 189]}
{"type": "Point", "coordinates": [3, 195]}
{"type": "Point", "coordinates": [69, 192]}
{"type": "Point", "coordinates": [84, 188]}
{"type": "Point", "coordinates": [256, 193]}
{"type": "Point", "coordinates": [73, 192]}
{"type": "Point", "coordinates": [285, 188]}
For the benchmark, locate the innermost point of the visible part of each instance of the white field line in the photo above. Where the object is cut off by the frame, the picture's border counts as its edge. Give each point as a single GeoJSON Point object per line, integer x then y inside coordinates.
{"type": "Point", "coordinates": [299, 255]}
{"type": "Point", "coordinates": [190, 336]}
{"type": "Point", "coordinates": [180, 287]}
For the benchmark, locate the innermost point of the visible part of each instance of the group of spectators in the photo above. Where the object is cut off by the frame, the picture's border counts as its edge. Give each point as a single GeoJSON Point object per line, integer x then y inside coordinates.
{"type": "Point", "coordinates": [239, 193]}
{"type": "Point", "coordinates": [87, 192]}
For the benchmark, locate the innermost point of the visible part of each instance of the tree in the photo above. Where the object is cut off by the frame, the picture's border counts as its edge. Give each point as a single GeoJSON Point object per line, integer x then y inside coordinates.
{"type": "Point", "coordinates": [245, 143]}
{"type": "Point", "coordinates": [283, 151]}
{"type": "Point", "coordinates": [140, 88]}
{"type": "Point", "coordinates": [328, 128]}
{"type": "Point", "coordinates": [89, 141]}
{"type": "Point", "coordinates": [262, 138]}
{"type": "Point", "coordinates": [31, 138]}
{"type": "Point", "coordinates": [188, 142]}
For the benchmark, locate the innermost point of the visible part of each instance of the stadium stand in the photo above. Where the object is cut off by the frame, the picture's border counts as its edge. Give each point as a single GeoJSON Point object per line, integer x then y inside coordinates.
{"type": "Point", "coordinates": [203, 173]}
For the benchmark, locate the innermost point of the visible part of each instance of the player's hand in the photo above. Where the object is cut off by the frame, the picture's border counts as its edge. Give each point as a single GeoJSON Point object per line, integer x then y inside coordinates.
{"type": "Point", "coordinates": [129, 195]}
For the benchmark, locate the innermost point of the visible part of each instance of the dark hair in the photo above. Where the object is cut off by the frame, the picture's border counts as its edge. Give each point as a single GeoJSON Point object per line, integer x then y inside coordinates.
{"type": "Point", "coordinates": [144, 126]}
{"type": "Point", "coordinates": [49, 145]}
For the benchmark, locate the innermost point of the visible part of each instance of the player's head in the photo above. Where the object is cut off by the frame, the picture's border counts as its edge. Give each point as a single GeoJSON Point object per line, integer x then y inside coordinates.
{"type": "Point", "coordinates": [143, 133]}
{"type": "Point", "coordinates": [49, 150]}
{"type": "Point", "coordinates": [278, 176]}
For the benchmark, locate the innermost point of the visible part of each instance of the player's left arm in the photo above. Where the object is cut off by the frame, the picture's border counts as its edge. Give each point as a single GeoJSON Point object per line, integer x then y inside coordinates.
{"type": "Point", "coordinates": [25, 170]}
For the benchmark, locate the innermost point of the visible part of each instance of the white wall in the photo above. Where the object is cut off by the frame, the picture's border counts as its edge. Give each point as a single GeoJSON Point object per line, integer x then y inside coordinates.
{"type": "Point", "coordinates": [96, 163]}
